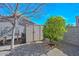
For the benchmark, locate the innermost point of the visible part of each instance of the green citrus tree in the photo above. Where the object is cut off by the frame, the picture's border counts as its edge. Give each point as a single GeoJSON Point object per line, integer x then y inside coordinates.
{"type": "Point", "coordinates": [54, 28]}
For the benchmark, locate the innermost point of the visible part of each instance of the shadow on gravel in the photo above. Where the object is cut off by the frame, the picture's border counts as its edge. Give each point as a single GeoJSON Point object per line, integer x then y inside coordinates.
{"type": "Point", "coordinates": [68, 48]}
{"type": "Point", "coordinates": [5, 50]}
{"type": "Point", "coordinates": [35, 49]}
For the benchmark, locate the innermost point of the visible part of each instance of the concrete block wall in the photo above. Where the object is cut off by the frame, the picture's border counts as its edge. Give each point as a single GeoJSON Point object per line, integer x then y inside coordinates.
{"type": "Point", "coordinates": [72, 36]}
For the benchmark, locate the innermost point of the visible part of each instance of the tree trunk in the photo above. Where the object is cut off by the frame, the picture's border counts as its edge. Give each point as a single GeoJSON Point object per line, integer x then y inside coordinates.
{"type": "Point", "coordinates": [12, 41]}
{"type": "Point", "coordinates": [13, 34]}
{"type": "Point", "coordinates": [17, 36]}
{"type": "Point", "coordinates": [52, 43]}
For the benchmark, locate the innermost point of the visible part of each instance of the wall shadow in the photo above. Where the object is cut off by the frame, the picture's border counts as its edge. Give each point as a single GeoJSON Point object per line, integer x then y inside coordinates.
{"type": "Point", "coordinates": [68, 48]}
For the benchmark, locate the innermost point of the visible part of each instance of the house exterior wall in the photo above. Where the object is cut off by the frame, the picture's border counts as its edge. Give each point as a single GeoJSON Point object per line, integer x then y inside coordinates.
{"type": "Point", "coordinates": [6, 26]}
{"type": "Point", "coordinates": [77, 21]}
{"type": "Point", "coordinates": [33, 31]}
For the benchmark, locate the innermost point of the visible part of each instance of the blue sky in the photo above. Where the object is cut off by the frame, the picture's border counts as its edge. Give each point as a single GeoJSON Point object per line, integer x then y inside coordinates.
{"type": "Point", "coordinates": [67, 10]}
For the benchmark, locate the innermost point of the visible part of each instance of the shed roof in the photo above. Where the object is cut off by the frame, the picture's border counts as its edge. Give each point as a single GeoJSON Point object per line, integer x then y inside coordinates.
{"type": "Point", "coordinates": [22, 20]}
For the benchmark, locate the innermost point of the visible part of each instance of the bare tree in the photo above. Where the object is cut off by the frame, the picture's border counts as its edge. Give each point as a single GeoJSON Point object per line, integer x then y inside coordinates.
{"type": "Point", "coordinates": [34, 12]}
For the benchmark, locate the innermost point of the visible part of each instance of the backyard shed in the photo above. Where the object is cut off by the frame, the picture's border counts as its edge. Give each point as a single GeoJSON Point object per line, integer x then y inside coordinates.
{"type": "Point", "coordinates": [32, 31]}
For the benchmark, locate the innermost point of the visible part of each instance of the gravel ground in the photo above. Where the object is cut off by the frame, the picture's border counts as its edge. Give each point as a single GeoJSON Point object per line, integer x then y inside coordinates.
{"type": "Point", "coordinates": [39, 49]}
{"type": "Point", "coordinates": [4, 50]}
{"type": "Point", "coordinates": [35, 49]}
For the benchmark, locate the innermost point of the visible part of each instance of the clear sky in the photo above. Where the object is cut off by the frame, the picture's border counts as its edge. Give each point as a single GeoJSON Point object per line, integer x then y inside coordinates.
{"type": "Point", "coordinates": [66, 10]}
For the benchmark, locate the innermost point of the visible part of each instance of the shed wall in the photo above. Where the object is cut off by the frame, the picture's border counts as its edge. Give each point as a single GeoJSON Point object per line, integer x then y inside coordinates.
{"type": "Point", "coordinates": [29, 33]}
{"type": "Point", "coordinates": [33, 33]}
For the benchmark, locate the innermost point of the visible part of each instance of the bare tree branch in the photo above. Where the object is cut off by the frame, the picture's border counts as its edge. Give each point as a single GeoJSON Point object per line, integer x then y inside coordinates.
{"type": "Point", "coordinates": [16, 9]}
{"type": "Point", "coordinates": [1, 5]}
{"type": "Point", "coordinates": [6, 5]}
{"type": "Point", "coordinates": [27, 7]}
{"type": "Point", "coordinates": [33, 11]}
{"type": "Point", "coordinates": [9, 7]}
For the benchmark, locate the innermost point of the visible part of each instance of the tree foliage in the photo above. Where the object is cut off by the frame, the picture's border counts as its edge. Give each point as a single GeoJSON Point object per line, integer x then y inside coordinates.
{"type": "Point", "coordinates": [54, 28]}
